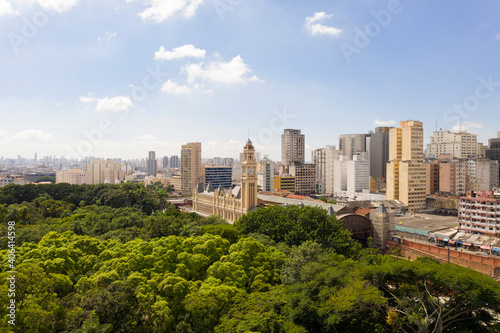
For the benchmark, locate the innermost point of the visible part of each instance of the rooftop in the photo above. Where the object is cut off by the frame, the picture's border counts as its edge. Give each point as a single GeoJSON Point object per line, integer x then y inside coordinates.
{"type": "Point", "coordinates": [289, 201]}
{"type": "Point", "coordinates": [428, 222]}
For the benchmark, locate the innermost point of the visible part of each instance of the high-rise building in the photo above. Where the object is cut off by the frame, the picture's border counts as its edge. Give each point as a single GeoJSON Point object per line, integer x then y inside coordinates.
{"type": "Point", "coordinates": [351, 176]}
{"type": "Point", "coordinates": [358, 174]}
{"type": "Point", "coordinates": [227, 162]}
{"type": "Point", "coordinates": [318, 158]}
{"type": "Point", "coordinates": [71, 176]}
{"type": "Point", "coordinates": [482, 174]}
{"type": "Point", "coordinates": [151, 164]}
{"type": "Point", "coordinates": [493, 150]}
{"type": "Point", "coordinates": [377, 144]}
{"type": "Point", "coordinates": [191, 173]}
{"type": "Point", "coordinates": [340, 175]}
{"type": "Point", "coordinates": [453, 176]}
{"type": "Point", "coordinates": [174, 162]}
{"type": "Point", "coordinates": [447, 175]}
{"type": "Point", "coordinates": [165, 163]}
{"type": "Point", "coordinates": [292, 147]}
{"type": "Point", "coordinates": [305, 178]}
{"type": "Point", "coordinates": [331, 155]}
{"type": "Point", "coordinates": [406, 167]}
{"type": "Point", "coordinates": [268, 174]}
{"type": "Point", "coordinates": [458, 145]}
{"type": "Point", "coordinates": [351, 144]}
{"type": "Point", "coordinates": [432, 176]}
{"type": "Point", "coordinates": [104, 171]}
{"type": "Point", "coordinates": [218, 176]}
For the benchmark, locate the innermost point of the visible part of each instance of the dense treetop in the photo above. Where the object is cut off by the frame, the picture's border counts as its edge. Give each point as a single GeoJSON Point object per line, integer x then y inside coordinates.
{"type": "Point", "coordinates": [120, 258]}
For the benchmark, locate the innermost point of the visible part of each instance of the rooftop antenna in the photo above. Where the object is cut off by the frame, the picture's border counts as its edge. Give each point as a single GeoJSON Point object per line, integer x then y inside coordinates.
{"type": "Point", "coordinates": [436, 129]}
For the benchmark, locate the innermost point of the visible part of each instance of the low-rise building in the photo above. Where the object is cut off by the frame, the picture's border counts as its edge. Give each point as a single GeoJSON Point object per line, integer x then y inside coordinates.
{"type": "Point", "coordinates": [479, 213]}
{"type": "Point", "coordinates": [286, 183]}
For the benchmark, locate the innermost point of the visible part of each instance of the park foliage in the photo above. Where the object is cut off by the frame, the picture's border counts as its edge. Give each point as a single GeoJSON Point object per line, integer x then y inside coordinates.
{"type": "Point", "coordinates": [121, 258]}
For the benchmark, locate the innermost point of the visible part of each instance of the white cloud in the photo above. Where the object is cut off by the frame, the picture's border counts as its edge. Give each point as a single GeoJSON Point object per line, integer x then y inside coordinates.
{"type": "Point", "coordinates": [175, 89]}
{"type": "Point", "coordinates": [465, 126]}
{"type": "Point", "coordinates": [480, 27]}
{"type": "Point", "coordinates": [234, 71]}
{"type": "Point", "coordinates": [58, 6]}
{"type": "Point", "coordinates": [32, 135]}
{"type": "Point", "coordinates": [3, 136]}
{"type": "Point", "coordinates": [6, 8]}
{"type": "Point", "coordinates": [87, 99]}
{"type": "Point", "coordinates": [146, 137]}
{"type": "Point", "coordinates": [497, 36]}
{"type": "Point", "coordinates": [108, 36]}
{"type": "Point", "coordinates": [315, 28]}
{"type": "Point", "coordinates": [114, 104]}
{"type": "Point", "coordinates": [384, 123]}
{"type": "Point", "coordinates": [160, 10]}
{"type": "Point", "coordinates": [187, 50]}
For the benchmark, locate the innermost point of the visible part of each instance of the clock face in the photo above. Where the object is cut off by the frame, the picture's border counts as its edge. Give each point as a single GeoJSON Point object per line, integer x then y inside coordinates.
{"type": "Point", "coordinates": [250, 171]}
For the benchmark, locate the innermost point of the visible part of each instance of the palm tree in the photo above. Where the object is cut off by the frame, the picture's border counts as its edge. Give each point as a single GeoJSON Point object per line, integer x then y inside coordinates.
{"type": "Point", "coordinates": [161, 196]}
{"type": "Point", "coordinates": [24, 215]}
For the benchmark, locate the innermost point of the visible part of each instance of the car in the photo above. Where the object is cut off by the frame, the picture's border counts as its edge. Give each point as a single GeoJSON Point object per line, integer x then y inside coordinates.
{"type": "Point", "coordinates": [440, 245]}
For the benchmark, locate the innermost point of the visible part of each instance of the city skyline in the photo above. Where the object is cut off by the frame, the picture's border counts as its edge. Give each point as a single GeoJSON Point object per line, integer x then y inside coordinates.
{"type": "Point", "coordinates": [121, 78]}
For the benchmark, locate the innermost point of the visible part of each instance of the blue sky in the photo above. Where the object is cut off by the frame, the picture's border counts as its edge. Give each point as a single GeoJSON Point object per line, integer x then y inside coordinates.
{"type": "Point", "coordinates": [121, 77]}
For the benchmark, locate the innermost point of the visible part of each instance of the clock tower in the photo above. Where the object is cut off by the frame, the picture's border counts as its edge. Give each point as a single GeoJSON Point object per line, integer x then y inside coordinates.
{"type": "Point", "coordinates": [248, 177]}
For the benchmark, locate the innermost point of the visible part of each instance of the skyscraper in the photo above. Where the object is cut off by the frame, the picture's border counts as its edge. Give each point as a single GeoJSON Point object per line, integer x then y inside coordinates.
{"type": "Point", "coordinates": [174, 162]}
{"type": "Point", "coordinates": [104, 171]}
{"type": "Point", "coordinates": [493, 151]}
{"type": "Point", "coordinates": [268, 173]}
{"type": "Point", "coordinates": [151, 163]}
{"type": "Point", "coordinates": [318, 158]}
{"type": "Point", "coordinates": [331, 155]}
{"type": "Point", "coordinates": [351, 144]}
{"type": "Point", "coordinates": [191, 173]}
{"type": "Point", "coordinates": [378, 146]}
{"type": "Point", "coordinates": [406, 167]}
{"type": "Point", "coordinates": [292, 147]}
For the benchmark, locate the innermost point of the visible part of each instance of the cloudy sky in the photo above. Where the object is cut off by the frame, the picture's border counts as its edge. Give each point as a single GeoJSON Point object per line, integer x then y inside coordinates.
{"type": "Point", "coordinates": [118, 78]}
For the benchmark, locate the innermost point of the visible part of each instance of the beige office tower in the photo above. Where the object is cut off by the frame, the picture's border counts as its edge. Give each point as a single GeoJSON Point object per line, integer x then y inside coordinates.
{"type": "Point", "coordinates": [458, 145]}
{"type": "Point", "coordinates": [191, 173]}
{"type": "Point", "coordinates": [406, 167]}
{"type": "Point", "coordinates": [292, 147]}
{"type": "Point", "coordinates": [104, 171]}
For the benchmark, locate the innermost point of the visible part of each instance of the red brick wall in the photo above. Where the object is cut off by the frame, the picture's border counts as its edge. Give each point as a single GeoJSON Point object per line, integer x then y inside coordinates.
{"type": "Point", "coordinates": [480, 263]}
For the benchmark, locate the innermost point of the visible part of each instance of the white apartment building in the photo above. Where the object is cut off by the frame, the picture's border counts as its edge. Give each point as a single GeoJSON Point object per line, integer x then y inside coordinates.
{"type": "Point", "coordinates": [456, 144]}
